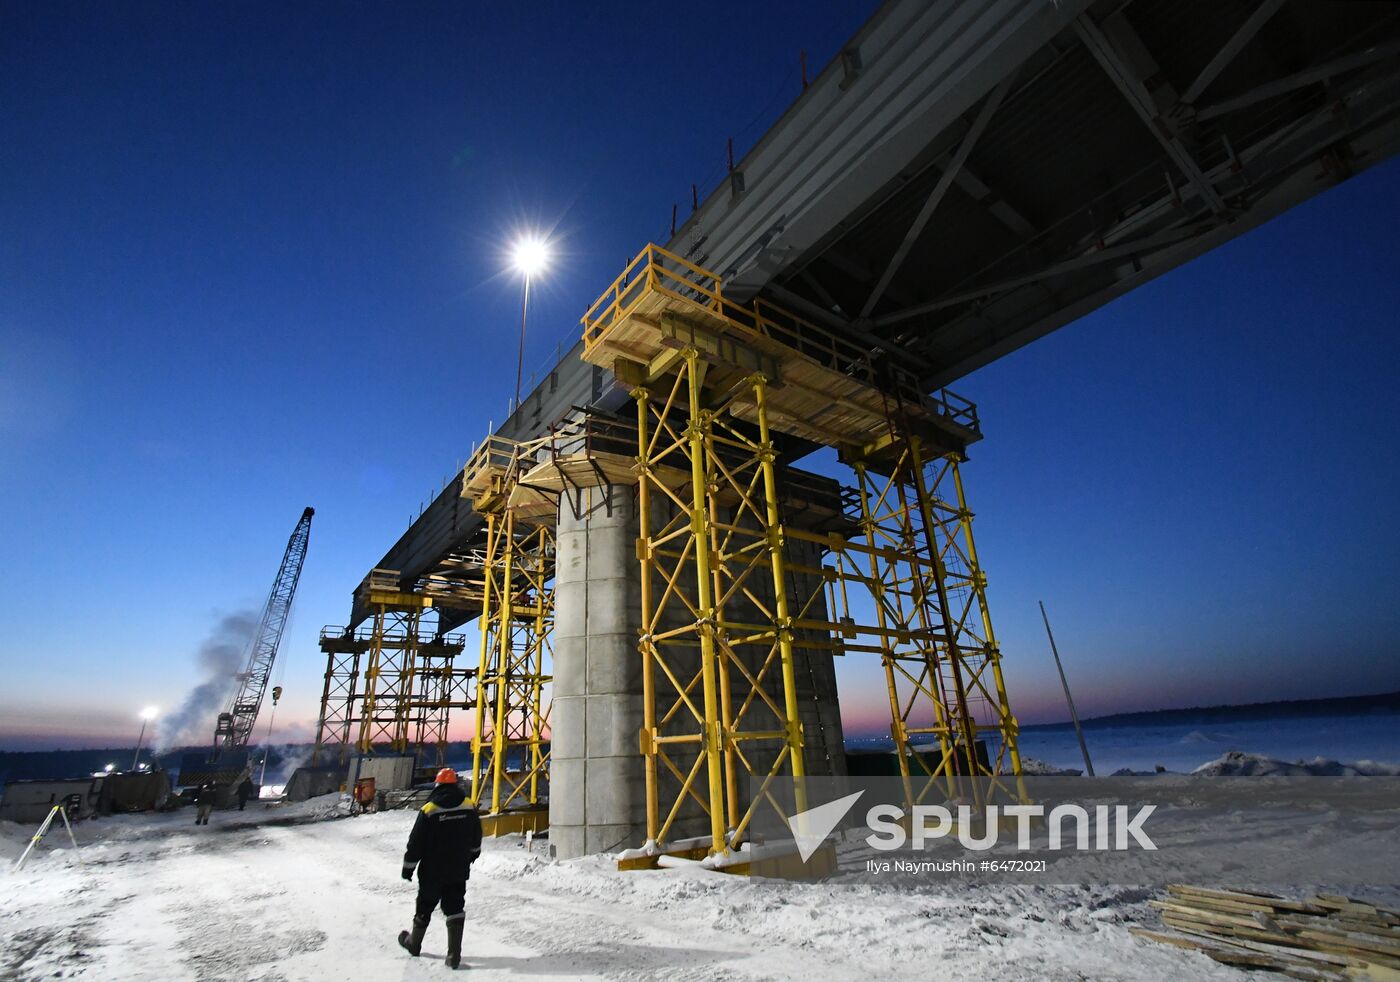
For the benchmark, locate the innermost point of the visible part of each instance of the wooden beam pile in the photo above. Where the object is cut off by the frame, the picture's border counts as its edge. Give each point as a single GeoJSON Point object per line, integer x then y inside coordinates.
{"type": "Point", "coordinates": [1324, 937]}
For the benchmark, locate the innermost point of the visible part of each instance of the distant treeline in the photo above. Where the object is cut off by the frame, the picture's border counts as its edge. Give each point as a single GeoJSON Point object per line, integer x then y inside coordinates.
{"type": "Point", "coordinates": [28, 765]}
{"type": "Point", "coordinates": [1383, 703]}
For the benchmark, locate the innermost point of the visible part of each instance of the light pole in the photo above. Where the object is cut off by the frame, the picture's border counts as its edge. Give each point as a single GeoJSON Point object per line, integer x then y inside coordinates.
{"type": "Point", "coordinates": [147, 714]}
{"type": "Point", "coordinates": [529, 256]}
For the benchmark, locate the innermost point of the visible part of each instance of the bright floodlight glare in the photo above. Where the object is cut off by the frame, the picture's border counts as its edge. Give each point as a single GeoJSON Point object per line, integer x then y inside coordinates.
{"type": "Point", "coordinates": [149, 712]}
{"type": "Point", "coordinates": [530, 255]}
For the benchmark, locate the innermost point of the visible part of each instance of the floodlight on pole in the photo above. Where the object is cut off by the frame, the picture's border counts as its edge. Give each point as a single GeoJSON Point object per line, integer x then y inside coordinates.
{"type": "Point", "coordinates": [147, 714]}
{"type": "Point", "coordinates": [530, 256]}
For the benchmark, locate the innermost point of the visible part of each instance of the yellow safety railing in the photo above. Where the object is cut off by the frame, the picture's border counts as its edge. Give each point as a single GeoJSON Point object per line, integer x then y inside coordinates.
{"type": "Point", "coordinates": [656, 270]}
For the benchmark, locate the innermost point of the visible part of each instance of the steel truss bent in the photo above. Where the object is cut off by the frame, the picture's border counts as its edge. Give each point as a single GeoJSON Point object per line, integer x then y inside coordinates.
{"type": "Point", "coordinates": [723, 618]}
{"type": "Point", "coordinates": [510, 755]}
{"type": "Point", "coordinates": [914, 554]}
{"type": "Point", "coordinates": [392, 684]}
{"type": "Point", "coordinates": [720, 696]}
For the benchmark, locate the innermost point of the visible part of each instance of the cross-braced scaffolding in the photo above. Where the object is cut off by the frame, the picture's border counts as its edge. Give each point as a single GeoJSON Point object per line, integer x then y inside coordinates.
{"type": "Point", "coordinates": [510, 754]}
{"type": "Point", "coordinates": [718, 671]}
{"type": "Point", "coordinates": [391, 684]}
{"type": "Point", "coordinates": [913, 555]}
{"type": "Point", "coordinates": [714, 380]}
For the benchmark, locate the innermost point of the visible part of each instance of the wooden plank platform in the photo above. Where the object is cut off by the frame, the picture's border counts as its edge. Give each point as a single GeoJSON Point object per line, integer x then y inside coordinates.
{"type": "Point", "coordinates": [1320, 937]}
{"type": "Point", "coordinates": [823, 388]}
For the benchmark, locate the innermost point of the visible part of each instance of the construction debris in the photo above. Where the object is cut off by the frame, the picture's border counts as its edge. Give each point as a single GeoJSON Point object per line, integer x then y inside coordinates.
{"type": "Point", "coordinates": [1321, 938]}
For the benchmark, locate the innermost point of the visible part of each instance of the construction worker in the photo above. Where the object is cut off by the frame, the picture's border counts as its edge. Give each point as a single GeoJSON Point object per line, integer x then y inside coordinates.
{"type": "Point", "coordinates": [445, 841]}
{"type": "Point", "coordinates": [245, 791]}
{"type": "Point", "coordinates": [204, 800]}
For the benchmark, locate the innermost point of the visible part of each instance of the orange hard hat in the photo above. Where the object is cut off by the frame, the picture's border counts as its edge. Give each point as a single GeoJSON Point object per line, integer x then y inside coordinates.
{"type": "Point", "coordinates": [446, 776]}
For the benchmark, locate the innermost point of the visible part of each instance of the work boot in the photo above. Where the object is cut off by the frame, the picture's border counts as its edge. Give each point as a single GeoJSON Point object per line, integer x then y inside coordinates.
{"type": "Point", "coordinates": [454, 942]}
{"type": "Point", "coordinates": [413, 943]}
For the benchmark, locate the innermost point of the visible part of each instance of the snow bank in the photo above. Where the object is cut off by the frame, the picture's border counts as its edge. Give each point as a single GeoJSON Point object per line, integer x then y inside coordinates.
{"type": "Point", "coordinates": [1032, 767]}
{"type": "Point", "coordinates": [1237, 764]}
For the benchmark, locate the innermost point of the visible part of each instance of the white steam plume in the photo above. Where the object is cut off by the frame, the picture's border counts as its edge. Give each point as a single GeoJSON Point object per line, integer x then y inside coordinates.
{"type": "Point", "coordinates": [221, 657]}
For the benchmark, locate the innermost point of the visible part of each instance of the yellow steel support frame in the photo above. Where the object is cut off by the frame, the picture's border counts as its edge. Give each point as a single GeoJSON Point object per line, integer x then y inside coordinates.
{"type": "Point", "coordinates": [517, 624]}
{"type": "Point", "coordinates": [965, 586]}
{"type": "Point", "coordinates": [441, 687]}
{"type": "Point", "coordinates": [390, 666]}
{"type": "Point", "coordinates": [337, 703]}
{"type": "Point", "coordinates": [395, 681]}
{"type": "Point", "coordinates": [933, 631]}
{"type": "Point", "coordinates": [702, 543]}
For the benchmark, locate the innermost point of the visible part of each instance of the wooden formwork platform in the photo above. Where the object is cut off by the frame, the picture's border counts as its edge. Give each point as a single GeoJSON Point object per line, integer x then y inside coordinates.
{"type": "Point", "coordinates": [823, 388]}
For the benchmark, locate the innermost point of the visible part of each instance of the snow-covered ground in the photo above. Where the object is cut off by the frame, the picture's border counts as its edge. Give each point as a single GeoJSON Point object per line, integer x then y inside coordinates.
{"type": "Point", "coordinates": [303, 892]}
{"type": "Point", "coordinates": [287, 893]}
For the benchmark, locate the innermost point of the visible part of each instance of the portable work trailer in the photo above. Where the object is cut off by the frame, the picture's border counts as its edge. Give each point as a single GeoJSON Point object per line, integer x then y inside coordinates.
{"type": "Point", "coordinates": [30, 801]}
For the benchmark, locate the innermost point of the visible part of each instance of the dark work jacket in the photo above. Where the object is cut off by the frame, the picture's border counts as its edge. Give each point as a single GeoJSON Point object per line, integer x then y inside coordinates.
{"type": "Point", "coordinates": [446, 837]}
{"type": "Point", "coordinates": [245, 790]}
{"type": "Point", "coordinates": [207, 795]}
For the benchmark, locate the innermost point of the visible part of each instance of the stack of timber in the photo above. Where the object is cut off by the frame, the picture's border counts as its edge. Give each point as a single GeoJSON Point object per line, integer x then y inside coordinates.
{"type": "Point", "coordinates": [1323, 937]}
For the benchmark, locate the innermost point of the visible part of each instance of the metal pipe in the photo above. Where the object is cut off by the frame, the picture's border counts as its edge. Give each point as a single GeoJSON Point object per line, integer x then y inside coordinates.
{"type": "Point", "coordinates": [714, 737]}
{"type": "Point", "coordinates": [774, 531]}
{"type": "Point", "coordinates": [1078, 730]}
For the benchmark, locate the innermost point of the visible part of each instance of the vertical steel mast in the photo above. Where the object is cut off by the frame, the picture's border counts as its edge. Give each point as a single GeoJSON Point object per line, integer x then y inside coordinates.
{"type": "Point", "coordinates": [235, 727]}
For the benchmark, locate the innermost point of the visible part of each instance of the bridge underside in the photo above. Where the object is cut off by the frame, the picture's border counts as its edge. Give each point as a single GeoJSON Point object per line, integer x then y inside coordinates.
{"type": "Point", "coordinates": [1136, 136]}
{"type": "Point", "coordinates": [965, 178]}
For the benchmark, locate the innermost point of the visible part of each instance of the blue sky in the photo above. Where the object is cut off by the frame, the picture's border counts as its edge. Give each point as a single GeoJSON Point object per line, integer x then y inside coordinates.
{"type": "Point", "coordinates": [252, 258]}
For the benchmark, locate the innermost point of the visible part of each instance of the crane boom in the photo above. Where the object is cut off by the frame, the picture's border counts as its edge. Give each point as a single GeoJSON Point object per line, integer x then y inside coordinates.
{"type": "Point", "coordinates": [235, 727]}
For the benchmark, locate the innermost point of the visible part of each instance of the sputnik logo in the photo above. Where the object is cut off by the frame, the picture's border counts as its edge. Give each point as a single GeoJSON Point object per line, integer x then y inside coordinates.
{"type": "Point", "coordinates": [811, 827]}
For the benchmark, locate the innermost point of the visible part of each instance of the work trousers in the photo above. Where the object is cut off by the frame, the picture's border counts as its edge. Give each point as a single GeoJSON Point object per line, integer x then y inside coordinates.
{"type": "Point", "coordinates": [203, 817]}
{"type": "Point", "coordinates": [451, 894]}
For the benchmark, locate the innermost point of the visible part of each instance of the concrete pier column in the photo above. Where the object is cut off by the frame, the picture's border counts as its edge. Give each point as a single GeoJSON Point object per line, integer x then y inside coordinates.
{"type": "Point", "coordinates": [597, 793]}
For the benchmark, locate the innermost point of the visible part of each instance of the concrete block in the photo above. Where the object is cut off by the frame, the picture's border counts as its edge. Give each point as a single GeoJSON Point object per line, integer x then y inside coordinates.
{"type": "Point", "coordinates": [566, 842]}
{"type": "Point", "coordinates": [567, 792]}
{"type": "Point", "coordinates": [613, 838]}
{"type": "Point", "coordinates": [570, 610]}
{"type": "Point", "coordinates": [612, 553]}
{"type": "Point", "coordinates": [616, 791]}
{"type": "Point", "coordinates": [612, 725]}
{"type": "Point", "coordinates": [568, 737]}
{"type": "Point", "coordinates": [609, 608]}
{"type": "Point", "coordinates": [570, 557]}
{"type": "Point", "coordinates": [606, 507]}
{"type": "Point", "coordinates": [570, 665]}
{"type": "Point", "coordinates": [614, 663]}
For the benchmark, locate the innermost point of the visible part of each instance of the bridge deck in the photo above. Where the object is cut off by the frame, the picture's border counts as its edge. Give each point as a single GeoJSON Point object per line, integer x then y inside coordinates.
{"type": "Point", "coordinates": [966, 177]}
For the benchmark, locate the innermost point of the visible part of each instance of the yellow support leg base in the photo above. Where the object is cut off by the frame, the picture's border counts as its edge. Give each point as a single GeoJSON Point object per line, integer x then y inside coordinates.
{"type": "Point", "coordinates": [533, 820]}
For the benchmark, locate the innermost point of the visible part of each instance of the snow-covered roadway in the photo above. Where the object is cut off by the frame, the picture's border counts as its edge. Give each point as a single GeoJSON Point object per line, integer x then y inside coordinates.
{"type": "Point", "coordinates": [301, 893]}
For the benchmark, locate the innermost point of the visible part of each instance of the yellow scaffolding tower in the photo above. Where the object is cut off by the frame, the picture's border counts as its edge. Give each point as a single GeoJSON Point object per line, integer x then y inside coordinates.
{"type": "Point", "coordinates": [913, 549]}
{"type": "Point", "coordinates": [711, 534]}
{"type": "Point", "coordinates": [509, 744]}
{"type": "Point", "coordinates": [392, 682]}
{"type": "Point", "coordinates": [713, 381]}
